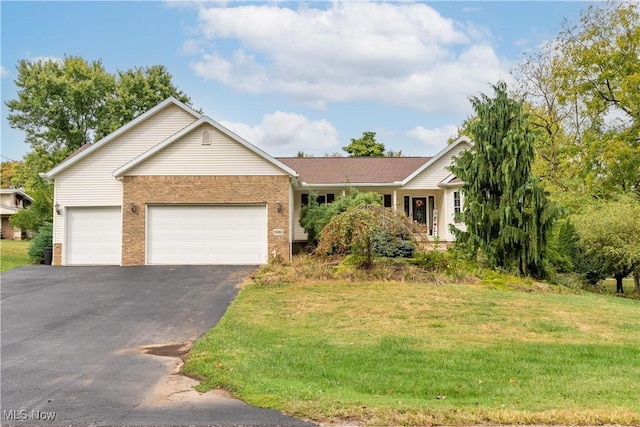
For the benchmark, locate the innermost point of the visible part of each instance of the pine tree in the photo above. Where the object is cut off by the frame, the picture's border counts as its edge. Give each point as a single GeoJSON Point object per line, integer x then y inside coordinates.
{"type": "Point", "coordinates": [507, 213]}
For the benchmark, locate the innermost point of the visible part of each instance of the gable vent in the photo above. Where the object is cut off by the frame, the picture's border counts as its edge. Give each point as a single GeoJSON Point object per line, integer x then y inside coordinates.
{"type": "Point", "coordinates": [206, 138]}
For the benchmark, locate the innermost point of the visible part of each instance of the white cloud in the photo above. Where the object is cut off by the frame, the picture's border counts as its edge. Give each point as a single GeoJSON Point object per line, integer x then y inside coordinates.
{"type": "Point", "coordinates": [191, 47]}
{"type": "Point", "coordinates": [4, 72]}
{"type": "Point", "coordinates": [284, 134]}
{"type": "Point", "coordinates": [46, 59]}
{"type": "Point", "coordinates": [402, 54]}
{"type": "Point", "coordinates": [433, 140]}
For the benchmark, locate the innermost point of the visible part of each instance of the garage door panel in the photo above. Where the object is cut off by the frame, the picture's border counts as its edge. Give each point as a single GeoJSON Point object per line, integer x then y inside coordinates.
{"type": "Point", "coordinates": [93, 236]}
{"type": "Point", "coordinates": [232, 234]}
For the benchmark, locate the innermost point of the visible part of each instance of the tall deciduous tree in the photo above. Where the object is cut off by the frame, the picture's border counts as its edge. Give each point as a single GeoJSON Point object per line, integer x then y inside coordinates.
{"type": "Point", "coordinates": [365, 146]}
{"type": "Point", "coordinates": [585, 89]}
{"type": "Point", "coordinates": [64, 104]}
{"type": "Point", "coordinates": [507, 213]}
{"type": "Point", "coordinates": [7, 173]}
{"type": "Point", "coordinates": [610, 232]}
{"type": "Point", "coordinates": [60, 103]}
{"type": "Point", "coordinates": [138, 90]}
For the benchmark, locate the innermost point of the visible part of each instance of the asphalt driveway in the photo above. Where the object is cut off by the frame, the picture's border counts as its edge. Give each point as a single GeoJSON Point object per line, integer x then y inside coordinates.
{"type": "Point", "coordinates": [71, 338]}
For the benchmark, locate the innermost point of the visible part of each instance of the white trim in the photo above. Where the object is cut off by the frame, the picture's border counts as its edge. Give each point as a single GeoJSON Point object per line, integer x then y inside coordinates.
{"type": "Point", "coordinates": [447, 182]}
{"type": "Point", "coordinates": [395, 200]}
{"type": "Point", "coordinates": [16, 191]}
{"type": "Point", "coordinates": [437, 157]}
{"type": "Point", "coordinates": [291, 215]}
{"type": "Point", "coordinates": [176, 136]}
{"type": "Point", "coordinates": [142, 117]}
{"type": "Point", "coordinates": [351, 184]}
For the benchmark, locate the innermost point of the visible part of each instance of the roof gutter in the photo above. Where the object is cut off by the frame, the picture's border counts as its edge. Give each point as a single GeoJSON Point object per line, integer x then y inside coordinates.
{"type": "Point", "coordinates": [351, 184]}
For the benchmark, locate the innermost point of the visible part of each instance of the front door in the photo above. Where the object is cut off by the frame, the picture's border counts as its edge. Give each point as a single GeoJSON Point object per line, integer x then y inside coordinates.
{"type": "Point", "coordinates": [420, 210]}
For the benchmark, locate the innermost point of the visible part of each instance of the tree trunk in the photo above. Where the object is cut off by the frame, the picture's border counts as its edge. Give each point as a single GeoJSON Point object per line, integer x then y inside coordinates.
{"type": "Point", "coordinates": [619, 288]}
{"type": "Point", "coordinates": [636, 280]}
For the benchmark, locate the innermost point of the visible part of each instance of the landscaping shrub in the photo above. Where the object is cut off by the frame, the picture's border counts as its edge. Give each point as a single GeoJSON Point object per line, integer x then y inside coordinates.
{"type": "Point", "coordinates": [43, 239]}
{"type": "Point", "coordinates": [390, 246]}
{"type": "Point", "coordinates": [354, 231]}
{"type": "Point", "coordinates": [315, 216]}
{"type": "Point", "coordinates": [433, 260]}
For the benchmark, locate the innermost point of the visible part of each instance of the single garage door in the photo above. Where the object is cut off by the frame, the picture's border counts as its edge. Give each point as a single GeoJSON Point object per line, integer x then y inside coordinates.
{"type": "Point", "coordinates": [232, 234]}
{"type": "Point", "coordinates": [94, 236]}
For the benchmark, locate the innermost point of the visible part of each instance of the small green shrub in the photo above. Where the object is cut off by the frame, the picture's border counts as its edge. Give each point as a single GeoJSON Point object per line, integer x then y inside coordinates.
{"type": "Point", "coordinates": [43, 239]}
{"type": "Point", "coordinates": [433, 260]}
{"type": "Point", "coordinates": [392, 246]}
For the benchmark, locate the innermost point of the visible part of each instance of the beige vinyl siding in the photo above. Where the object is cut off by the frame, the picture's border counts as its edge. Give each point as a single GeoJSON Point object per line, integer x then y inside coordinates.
{"type": "Point", "coordinates": [90, 182]}
{"type": "Point", "coordinates": [435, 173]}
{"type": "Point", "coordinates": [188, 156]}
{"type": "Point", "coordinates": [298, 232]}
{"type": "Point", "coordinates": [449, 212]}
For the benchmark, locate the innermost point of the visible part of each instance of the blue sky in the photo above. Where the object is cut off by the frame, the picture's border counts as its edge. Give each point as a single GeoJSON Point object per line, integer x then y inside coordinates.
{"type": "Point", "coordinates": [297, 76]}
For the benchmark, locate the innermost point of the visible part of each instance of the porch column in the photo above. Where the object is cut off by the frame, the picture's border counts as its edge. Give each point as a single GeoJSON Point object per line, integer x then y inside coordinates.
{"type": "Point", "coordinates": [395, 200]}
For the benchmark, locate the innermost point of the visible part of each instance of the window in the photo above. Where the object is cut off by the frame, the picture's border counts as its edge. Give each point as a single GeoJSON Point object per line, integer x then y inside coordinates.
{"type": "Point", "coordinates": [320, 198]}
{"type": "Point", "coordinates": [386, 200]}
{"type": "Point", "coordinates": [456, 206]}
{"type": "Point", "coordinates": [406, 205]}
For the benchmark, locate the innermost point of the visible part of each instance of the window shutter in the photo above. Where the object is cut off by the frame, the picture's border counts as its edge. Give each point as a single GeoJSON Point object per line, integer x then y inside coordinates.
{"type": "Point", "coordinates": [406, 205]}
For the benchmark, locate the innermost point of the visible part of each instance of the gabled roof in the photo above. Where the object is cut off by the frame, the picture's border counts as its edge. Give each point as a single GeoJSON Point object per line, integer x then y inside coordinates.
{"type": "Point", "coordinates": [202, 120]}
{"type": "Point", "coordinates": [17, 191]}
{"type": "Point", "coordinates": [353, 170]}
{"type": "Point", "coordinates": [454, 144]}
{"type": "Point", "coordinates": [84, 152]}
{"type": "Point", "coordinates": [451, 181]}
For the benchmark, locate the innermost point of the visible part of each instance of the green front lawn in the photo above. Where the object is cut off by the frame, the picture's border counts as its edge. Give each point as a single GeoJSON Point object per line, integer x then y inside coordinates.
{"type": "Point", "coordinates": [396, 353]}
{"type": "Point", "coordinates": [13, 253]}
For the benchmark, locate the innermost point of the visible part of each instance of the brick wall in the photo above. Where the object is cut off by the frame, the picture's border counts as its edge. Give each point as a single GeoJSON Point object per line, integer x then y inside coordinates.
{"type": "Point", "coordinates": [57, 254]}
{"type": "Point", "coordinates": [144, 190]}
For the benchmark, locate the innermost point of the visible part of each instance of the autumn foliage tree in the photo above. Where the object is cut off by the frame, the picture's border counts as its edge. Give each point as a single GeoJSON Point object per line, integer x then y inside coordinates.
{"type": "Point", "coordinates": [507, 214]}
{"type": "Point", "coordinates": [584, 88]}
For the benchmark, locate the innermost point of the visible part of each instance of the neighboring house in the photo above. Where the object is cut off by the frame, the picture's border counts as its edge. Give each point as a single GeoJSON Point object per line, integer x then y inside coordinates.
{"type": "Point", "coordinates": [11, 201]}
{"type": "Point", "coordinates": [175, 187]}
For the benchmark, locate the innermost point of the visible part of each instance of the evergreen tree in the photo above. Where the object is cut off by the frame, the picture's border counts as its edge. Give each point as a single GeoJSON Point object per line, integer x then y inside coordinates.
{"type": "Point", "coordinates": [507, 213]}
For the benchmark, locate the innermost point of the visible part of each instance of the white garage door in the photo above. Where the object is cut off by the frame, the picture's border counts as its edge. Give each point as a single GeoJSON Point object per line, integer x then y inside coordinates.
{"type": "Point", "coordinates": [94, 236]}
{"type": "Point", "coordinates": [207, 234]}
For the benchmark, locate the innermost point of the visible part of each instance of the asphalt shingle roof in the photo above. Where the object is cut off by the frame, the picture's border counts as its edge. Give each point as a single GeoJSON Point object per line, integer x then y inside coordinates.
{"type": "Point", "coordinates": [355, 170]}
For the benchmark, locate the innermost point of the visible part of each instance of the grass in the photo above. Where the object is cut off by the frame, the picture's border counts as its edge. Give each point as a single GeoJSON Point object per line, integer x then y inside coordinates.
{"type": "Point", "coordinates": [397, 353]}
{"type": "Point", "coordinates": [13, 253]}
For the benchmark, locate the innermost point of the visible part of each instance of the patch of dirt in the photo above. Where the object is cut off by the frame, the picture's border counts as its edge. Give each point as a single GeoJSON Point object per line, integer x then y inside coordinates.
{"type": "Point", "coordinates": [177, 349]}
{"type": "Point", "coordinates": [174, 388]}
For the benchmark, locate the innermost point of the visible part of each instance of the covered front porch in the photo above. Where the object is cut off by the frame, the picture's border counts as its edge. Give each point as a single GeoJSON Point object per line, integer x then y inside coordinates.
{"type": "Point", "coordinates": [426, 207]}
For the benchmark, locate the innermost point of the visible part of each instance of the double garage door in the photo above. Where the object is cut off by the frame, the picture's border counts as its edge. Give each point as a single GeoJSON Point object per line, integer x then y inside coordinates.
{"type": "Point", "coordinates": [175, 234]}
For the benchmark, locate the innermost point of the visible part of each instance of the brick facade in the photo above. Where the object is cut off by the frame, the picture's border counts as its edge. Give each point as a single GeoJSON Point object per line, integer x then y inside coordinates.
{"type": "Point", "coordinates": [149, 190]}
{"type": "Point", "coordinates": [57, 254]}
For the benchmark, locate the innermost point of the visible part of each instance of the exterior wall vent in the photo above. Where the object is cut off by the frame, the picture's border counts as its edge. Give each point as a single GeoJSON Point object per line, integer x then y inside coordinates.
{"type": "Point", "coordinates": [206, 138]}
